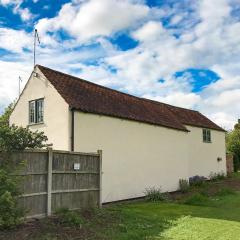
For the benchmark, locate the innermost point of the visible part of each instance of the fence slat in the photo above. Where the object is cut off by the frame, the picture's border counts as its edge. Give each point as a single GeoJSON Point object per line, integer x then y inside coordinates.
{"type": "Point", "coordinates": [100, 178]}
{"type": "Point", "coordinates": [49, 195]}
{"type": "Point", "coordinates": [75, 190]}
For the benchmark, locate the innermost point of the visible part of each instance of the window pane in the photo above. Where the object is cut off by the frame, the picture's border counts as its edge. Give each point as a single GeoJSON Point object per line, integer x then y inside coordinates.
{"type": "Point", "coordinates": [32, 112]}
{"type": "Point", "coordinates": [39, 110]}
{"type": "Point", "coordinates": [208, 135]}
{"type": "Point", "coordinates": [204, 135]}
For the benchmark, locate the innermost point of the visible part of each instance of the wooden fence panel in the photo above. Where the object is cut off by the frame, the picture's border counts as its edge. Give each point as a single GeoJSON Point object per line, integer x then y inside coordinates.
{"type": "Point", "coordinates": [75, 200]}
{"type": "Point", "coordinates": [69, 186]}
{"type": "Point", "coordinates": [229, 163]}
{"type": "Point", "coordinates": [55, 179]}
{"type": "Point", "coordinates": [35, 205]}
{"type": "Point", "coordinates": [34, 183]}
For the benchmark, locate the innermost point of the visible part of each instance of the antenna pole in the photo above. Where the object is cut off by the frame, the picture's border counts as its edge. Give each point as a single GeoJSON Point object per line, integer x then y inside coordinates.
{"type": "Point", "coordinates": [34, 48]}
{"type": "Point", "coordinates": [36, 38]}
{"type": "Point", "coordinates": [19, 85]}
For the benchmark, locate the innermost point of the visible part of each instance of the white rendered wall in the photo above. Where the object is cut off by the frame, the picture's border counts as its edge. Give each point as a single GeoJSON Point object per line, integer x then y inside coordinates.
{"type": "Point", "coordinates": [56, 111]}
{"type": "Point", "coordinates": [135, 155]}
{"type": "Point", "coordinates": [203, 156]}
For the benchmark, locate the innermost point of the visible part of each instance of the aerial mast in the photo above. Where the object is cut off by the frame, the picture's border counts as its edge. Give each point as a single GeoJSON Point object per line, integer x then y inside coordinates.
{"type": "Point", "coordinates": [36, 39]}
{"type": "Point", "coordinates": [19, 85]}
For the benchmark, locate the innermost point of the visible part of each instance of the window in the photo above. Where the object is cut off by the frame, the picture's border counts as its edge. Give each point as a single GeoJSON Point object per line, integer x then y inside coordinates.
{"type": "Point", "coordinates": [36, 111]}
{"type": "Point", "coordinates": [32, 112]}
{"type": "Point", "coordinates": [206, 135]}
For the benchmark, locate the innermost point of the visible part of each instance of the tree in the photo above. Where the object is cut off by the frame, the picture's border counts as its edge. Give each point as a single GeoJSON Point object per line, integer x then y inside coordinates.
{"type": "Point", "coordinates": [237, 125]}
{"type": "Point", "coordinates": [4, 118]}
{"type": "Point", "coordinates": [18, 138]}
{"type": "Point", "coordinates": [233, 145]}
{"type": "Point", "coordinates": [14, 138]}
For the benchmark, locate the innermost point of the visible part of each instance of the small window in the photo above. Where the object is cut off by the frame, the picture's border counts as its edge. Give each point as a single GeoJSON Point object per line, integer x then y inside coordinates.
{"type": "Point", "coordinates": [39, 110]}
{"type": "Point", "coordinates": [206, 135]}
{"type": "Point", "coordinates": [36, 111]}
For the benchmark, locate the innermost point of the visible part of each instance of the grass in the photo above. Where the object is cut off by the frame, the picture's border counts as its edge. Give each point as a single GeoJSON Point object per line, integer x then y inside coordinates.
{"type": "Point", "coordinates": [206, 213]}
{"type": "Point", "coordinates": [201, 228]}
{"type": "Point", "coordinates": [218, 219]}
{"type": "Point", "coordinates": [197, 199]}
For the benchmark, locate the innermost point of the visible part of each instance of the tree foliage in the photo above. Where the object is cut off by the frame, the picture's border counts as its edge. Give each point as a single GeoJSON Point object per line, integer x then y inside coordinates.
{"type": "Point", "coordinates": [14, 138]}
{"type": "Point", "coordinates": [18, 138]}
{"type": "Point", "coordinates": [4, 118]}
{"type": "Point", "coordinates": [10, 213]}
{"type": "Point", "coordinates": [233, 145]}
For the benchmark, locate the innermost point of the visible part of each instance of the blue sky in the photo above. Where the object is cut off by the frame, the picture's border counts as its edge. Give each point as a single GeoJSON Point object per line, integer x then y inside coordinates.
{"type": "Point", "coordinates": [186, 53]}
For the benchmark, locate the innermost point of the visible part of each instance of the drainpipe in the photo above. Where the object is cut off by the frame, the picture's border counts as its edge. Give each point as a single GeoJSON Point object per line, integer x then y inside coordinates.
{"type": "Point", "coordinates": [72, 129]}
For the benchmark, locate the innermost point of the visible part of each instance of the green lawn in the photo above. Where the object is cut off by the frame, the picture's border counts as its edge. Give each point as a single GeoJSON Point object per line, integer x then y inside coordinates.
{"type": "Point", "coordinates": [214, 217]}
{"type": "Point", "coordinates": [220, 220]}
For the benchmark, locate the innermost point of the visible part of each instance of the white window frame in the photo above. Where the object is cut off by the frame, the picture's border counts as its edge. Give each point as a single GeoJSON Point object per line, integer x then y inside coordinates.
{"type": "Point", "coordinates": [36, 111]}
{"type": "Point", "coordinates": [206, 135]}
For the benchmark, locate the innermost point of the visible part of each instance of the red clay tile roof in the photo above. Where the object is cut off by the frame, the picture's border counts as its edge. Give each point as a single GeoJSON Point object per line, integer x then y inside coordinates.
{"type": "Point", "coordinates": [92, 98]}
{"type": "Point", "coordinates": [193, 118]}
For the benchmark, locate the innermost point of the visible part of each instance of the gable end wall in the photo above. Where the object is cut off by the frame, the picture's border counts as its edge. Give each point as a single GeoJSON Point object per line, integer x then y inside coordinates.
{"type": "Point", "coordinates": [56, 111]}
{"type": "Point", "coordinates": [203, 156]}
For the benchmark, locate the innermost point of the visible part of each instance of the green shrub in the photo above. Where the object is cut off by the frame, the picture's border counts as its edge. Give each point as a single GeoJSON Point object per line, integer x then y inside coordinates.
{"type": "Point", "coordinates": [204, 192]}
{"type": "Point", "coordinates": [70, 218]}
{"type": "Point", "coordinates": [183, 185]}
{"type": "Point", "coordinates": [197, 181]}
{"type": "Point", "coordinates": [10, 213]}
{"type": "Point", "coordinates": [224, 192]}
{"type": "Point", "coordinates": [155, 194]}
{"type": "Point", "coordinates": [217, 176]}
{"type": "Point", "coordinates": [196, 199]}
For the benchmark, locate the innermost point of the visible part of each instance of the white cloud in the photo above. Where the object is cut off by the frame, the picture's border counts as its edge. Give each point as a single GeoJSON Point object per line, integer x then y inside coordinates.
{"type": "Point", "coordinates": [9, 73]}
{"type": "Point", "coordinates": [10, 2]}
{"type": "Point", "coordinates": [227, 98]}
{"type": "Point", "coordinates": [24, 13]}
{"type": "Point", "coordinates": [224, 119]}
{"type": "Point", "coordinates": [176, 19]}
{"type": "Point", "coordinates": [181, 99]}
{"type": "Point", "coordinates": [151, 31]}
{"type": "Point", "coordinates": [14, 40]}
{"type": "Point", "coordinates": [93, 18]}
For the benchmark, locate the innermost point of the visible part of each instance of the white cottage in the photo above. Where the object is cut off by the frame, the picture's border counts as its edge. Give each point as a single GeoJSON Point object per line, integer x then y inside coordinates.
{"type": "Point", "coordinates": [145, 143]}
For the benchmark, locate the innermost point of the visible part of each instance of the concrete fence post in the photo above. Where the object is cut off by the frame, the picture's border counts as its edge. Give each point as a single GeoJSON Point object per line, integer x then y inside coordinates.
{"type": "Point", "coordinates": [100, 178]}
{"type": "Point", "coordinates": [49, 187]}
